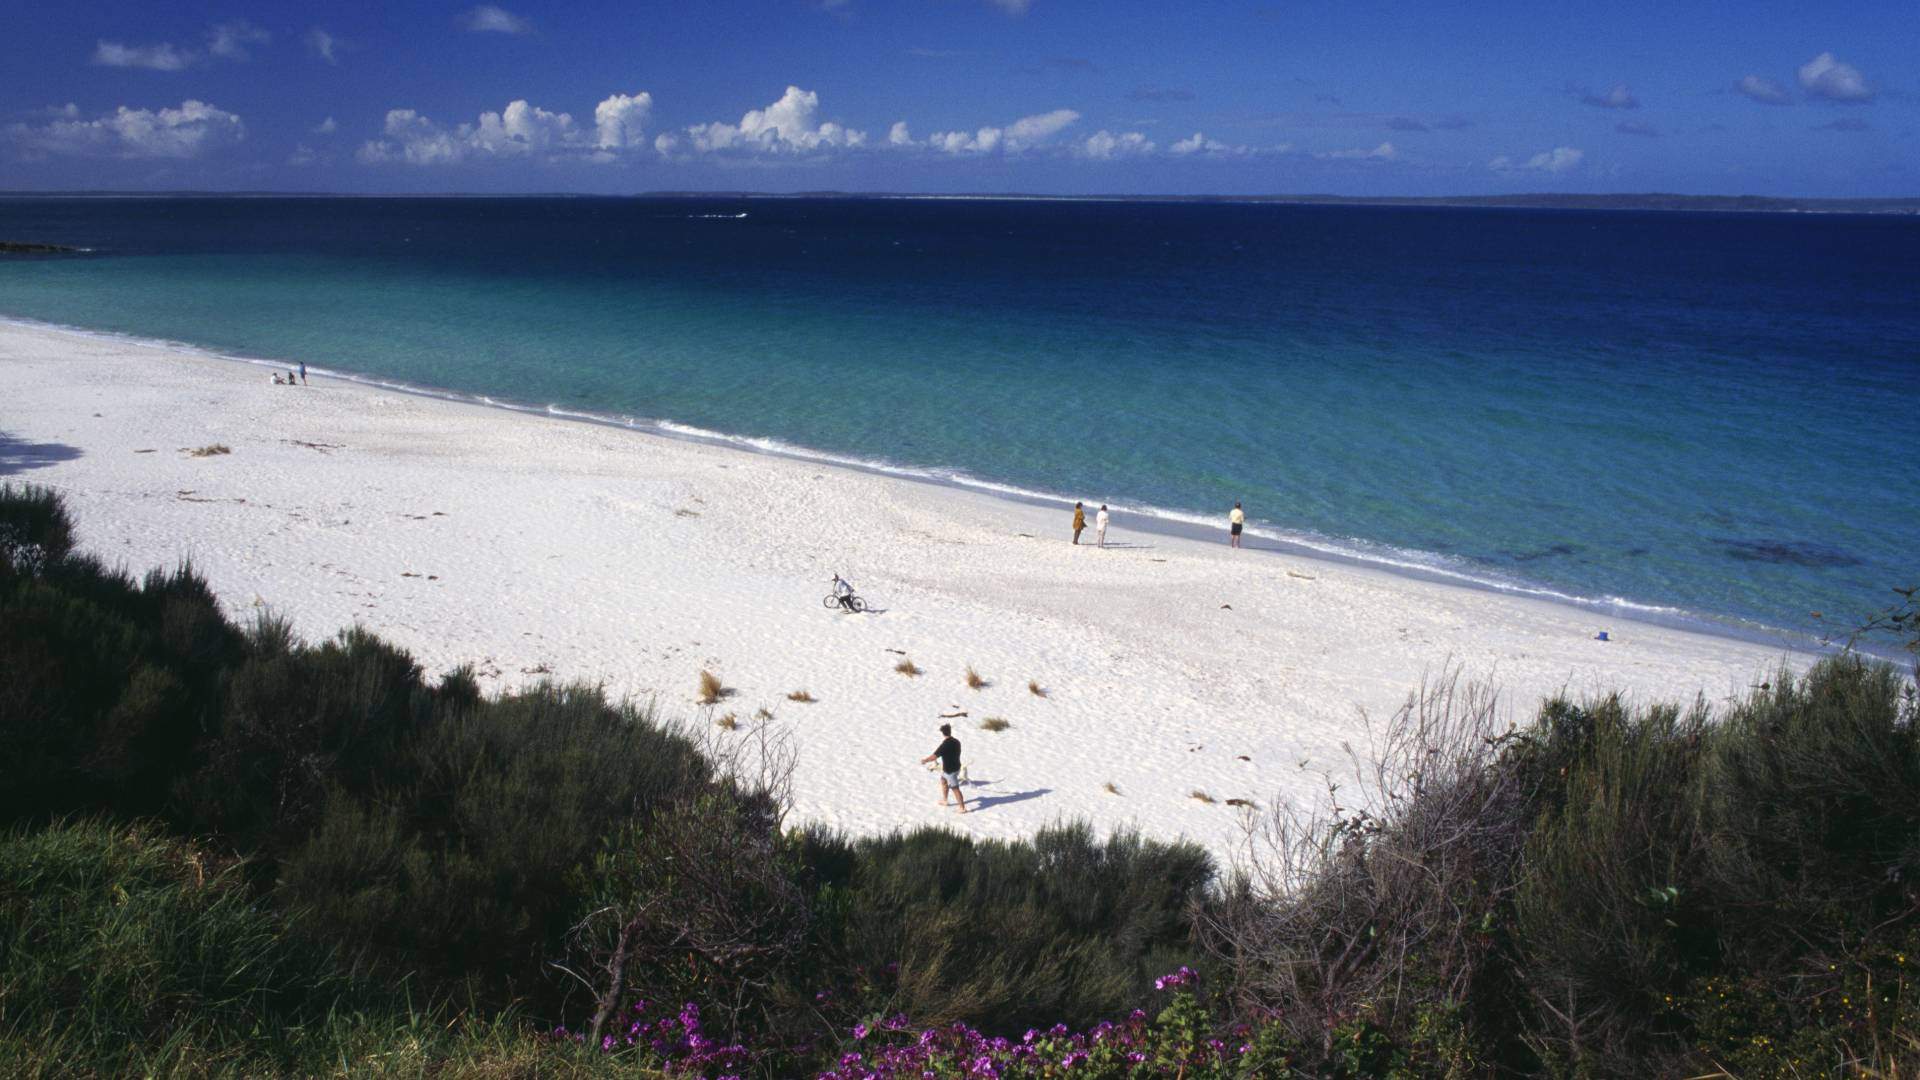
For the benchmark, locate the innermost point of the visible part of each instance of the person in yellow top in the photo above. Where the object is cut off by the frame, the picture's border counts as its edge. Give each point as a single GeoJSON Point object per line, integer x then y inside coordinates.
{"type": "Point", "coordinates": [1235, 520]}
{"type": "Point", "coordinates": [1079, 520]}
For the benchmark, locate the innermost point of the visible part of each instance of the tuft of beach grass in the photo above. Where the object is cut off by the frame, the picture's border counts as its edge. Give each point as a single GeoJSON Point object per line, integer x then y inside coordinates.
{"type": "Point", "coordinates": [974, 680]}
{"type": "Point", "coordinates": [994, 723]}
{"type": "Point", "coordinates": [210, 450]}
{"type": "Point", "coordinates": [801, 695]}
{"type": "Point", "coordinates": [729, 722]}
{"type": "Point", "coordinates": [711, 688]}
{"type": "Point", "coordinates": [1200, 796]}
{"type": "Point", "coordinates": [1034, 688]}
{"type": "Point", "coordinates": [1112, 788]}
{"type": "Point", "coordinates": [906, 667]}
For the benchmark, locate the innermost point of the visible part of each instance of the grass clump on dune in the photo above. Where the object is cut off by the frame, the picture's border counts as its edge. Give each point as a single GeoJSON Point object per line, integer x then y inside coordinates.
{"type": "Point", "coordinates": [907, 667]}
{"type": "Point", "coordinates": [994, 723]}
{"type": "Point", "coordinates": [974, 681]}
{"type": "Point", "coordinates": [711, 688]}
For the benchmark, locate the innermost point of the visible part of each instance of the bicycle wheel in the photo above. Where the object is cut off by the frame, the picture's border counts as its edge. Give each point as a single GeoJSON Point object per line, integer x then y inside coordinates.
{"type": "Point", "coordinates": [831, 601]}
{"type": "Point", "coordinates": [858, 604]}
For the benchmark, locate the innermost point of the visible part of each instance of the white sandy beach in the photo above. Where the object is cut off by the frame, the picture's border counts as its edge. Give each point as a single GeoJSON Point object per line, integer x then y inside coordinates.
{"type": "Point", "coordinates": [532, 545]}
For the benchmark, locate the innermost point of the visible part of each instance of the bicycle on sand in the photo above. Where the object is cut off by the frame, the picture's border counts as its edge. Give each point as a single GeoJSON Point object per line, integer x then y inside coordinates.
{"type": "Point", "coordinates": [844, 600]}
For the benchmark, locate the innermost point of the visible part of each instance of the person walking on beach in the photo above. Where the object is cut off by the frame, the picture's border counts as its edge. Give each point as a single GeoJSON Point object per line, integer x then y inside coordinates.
{"type": "Point", "coordinates": [1100, 526]}
{"type": "Point", "coordinates": [1079, 521]}
{"type": "Point", "coordinates": [1235, 520]}
{"type": "Point", "coordinates": [303, 373]}
{"type": "Point", "coordinates": [949, 754]}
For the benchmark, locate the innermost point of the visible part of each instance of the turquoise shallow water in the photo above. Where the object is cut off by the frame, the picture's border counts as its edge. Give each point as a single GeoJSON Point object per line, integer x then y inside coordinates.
{"type": "Point", "coordinates": [1705, 414]}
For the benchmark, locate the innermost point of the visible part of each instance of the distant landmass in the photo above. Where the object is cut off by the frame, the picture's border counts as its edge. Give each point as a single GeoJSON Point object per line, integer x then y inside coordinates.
{"type": "Point", "coordinates": [1754, 204]}
{"type": "Point", "coordinates": [1653, 201]}
{"type": "Point", "coordinates": [1760, 204]}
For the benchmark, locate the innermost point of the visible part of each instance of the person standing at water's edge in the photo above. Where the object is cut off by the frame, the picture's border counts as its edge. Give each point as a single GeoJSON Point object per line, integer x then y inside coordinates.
{"type": "Point", "coordinates": [303, 373]}
{"type": "Point", "coordinates": [1235, 520]}
{"type": "Point", "coordinates": [1079, 520]}
{"type": "Point", "coordinates": [1100, 526]}
{"type": "Point", "coordinates": [949, 754]}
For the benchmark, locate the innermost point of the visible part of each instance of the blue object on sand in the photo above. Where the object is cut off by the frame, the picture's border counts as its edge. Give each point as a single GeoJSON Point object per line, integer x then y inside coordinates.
{"type": "Point", "coordinates": [1602, 636]}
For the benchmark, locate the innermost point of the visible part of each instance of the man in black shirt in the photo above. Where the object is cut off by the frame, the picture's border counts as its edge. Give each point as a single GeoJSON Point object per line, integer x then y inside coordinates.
{"type": "Point", "coordinates": [949, 754]}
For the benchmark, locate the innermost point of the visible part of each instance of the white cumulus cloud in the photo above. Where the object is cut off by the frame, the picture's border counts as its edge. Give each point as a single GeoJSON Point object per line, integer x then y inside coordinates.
{"type": "Point", "coordinates": [786, 126]}
{"type": "Point", "coordinates": [1023, 134]}
{"type": "Point", "coordinates": [1104, 145]}
{"type": "Point", "coordinates": [192, 129]}
{"type": "Point", "coordinates": [230, 41]}
{"type": "Point", "coordinates": [161, 57]}
{"type": "Point", "coordinates": [1012, 7]}
{"type": "Point", "coordinates": [621, 120]}
{"type": "Point", "coordinates": [491, 18]}
{"type": "Point", "coordinates": [1763, 90]}
{"type": "Point", "coordinates": [1383, 152]}
{"type": "Point", "coordinates": [1558, 160]}
{"type": "Point", "coordinates": [1026, 133]}
{"type": "Point", "coordinates": [324, 45]}
{"type": "Point", "coordinates": [1202, 146]}
{"type": "Point", "coordinates": [521, 130]}
{"type": "Point", "coordinates": [414, 139]}
{"type": "Point", "coordinates": [984, 141]}
{"type": "Point", "coordinates": [326, 127]}
{"type": "Point", "coordinates": [1031, 130]}
{"type": "Point", "coordinates": [1827, 77]}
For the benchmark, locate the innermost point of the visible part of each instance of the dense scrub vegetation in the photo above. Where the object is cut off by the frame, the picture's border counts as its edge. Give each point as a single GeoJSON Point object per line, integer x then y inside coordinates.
{"type": "Point", "coordinates": [224, 851]}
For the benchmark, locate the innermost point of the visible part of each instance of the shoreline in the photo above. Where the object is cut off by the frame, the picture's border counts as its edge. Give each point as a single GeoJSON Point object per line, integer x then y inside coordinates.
{"type": "Point", "coordinates": [1155, 520]}
{"type": "Point", "coordinates": [544, 550]}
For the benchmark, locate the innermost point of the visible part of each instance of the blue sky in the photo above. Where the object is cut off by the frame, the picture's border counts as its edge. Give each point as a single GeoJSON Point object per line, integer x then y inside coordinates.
{"type": "Point", "coordinates": [1054, 96]}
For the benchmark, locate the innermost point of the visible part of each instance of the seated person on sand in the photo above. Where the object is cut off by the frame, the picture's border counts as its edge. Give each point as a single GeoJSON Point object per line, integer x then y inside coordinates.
{"type": "Point", "coordinates": [276, 378]}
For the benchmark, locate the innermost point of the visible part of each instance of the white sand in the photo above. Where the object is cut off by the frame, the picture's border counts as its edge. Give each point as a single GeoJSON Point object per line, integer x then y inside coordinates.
{"type": "Point", "coordinates": [529, 544]}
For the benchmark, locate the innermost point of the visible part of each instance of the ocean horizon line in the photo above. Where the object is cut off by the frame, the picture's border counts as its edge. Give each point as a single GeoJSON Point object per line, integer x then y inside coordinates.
{"type": "Point", "coordinates": [1650, 201]}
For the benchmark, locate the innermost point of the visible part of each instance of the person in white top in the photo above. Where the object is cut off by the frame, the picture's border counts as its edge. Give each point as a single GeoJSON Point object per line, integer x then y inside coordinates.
{"type": "Point", "coordinates": [1235, 520]}
{"type": "Point", "coordinates": [1100, 526]}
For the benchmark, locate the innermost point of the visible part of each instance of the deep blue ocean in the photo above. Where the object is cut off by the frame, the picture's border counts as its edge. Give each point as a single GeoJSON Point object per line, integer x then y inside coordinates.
{"type": "Point", "coordinates": [1707, 414]}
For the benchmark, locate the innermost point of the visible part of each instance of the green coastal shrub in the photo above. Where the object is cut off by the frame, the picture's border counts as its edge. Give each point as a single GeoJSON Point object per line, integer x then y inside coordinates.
{"type": "Point", "coordinates": [468, 860]}
{"type": "Point", "coordinates": [116, 944]}
{"type": "Point", "coordinates": [126, 954]}
{"type": "Point", "coordinates": [35, 529]}
{"type": "Point", "coordinates": [1658, 891]}
{"type": "Point", "coordinates": [1064, 928]}
{"type": "Point", "coordinates": [109, 684]}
